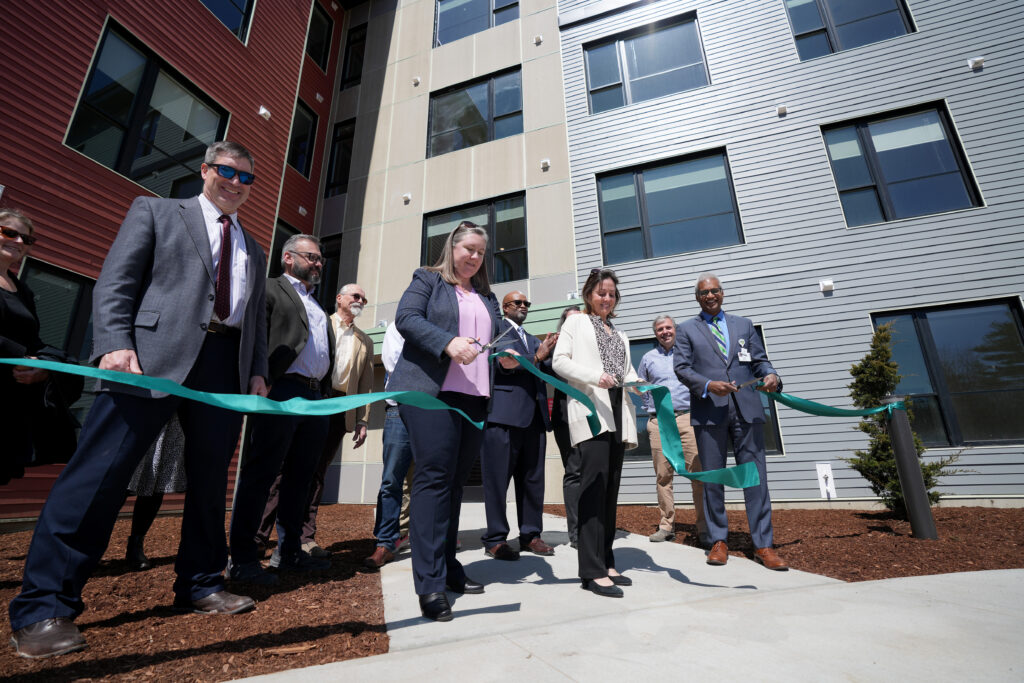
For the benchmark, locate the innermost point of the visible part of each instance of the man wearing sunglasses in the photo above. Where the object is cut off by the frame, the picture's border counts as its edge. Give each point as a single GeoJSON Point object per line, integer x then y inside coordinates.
{"type": "Point", "coordinates": [286, 447]}
{"type": "Point", "coordinates": [181, 296]}
{"type": "Point", "coordinates": [515, 438]}
{"type": "Point", "coordinates": [719, 357]}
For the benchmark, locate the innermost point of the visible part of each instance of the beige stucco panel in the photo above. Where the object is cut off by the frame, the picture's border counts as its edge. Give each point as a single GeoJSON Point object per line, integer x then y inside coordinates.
{"type": "Point", "coordinates": [497, 48]}
{"type": "Point", "coordinates": [379, 36]}
{"type": "Point", "coordinates": [373, 202]}
{"type": "Point", "coordinates": [545, 25]}
{"type": "Point", "coordinates": [371, 87]}
{"type": "Point", "coordinates": [449, 180]}
{"type": "Point", "coordinates": [543, 103]}
{"type": "Point", "coordinates": [399, 255]}
{"type": "Point", "coordinates": [408, 139]}
{"type": "Point", "coordinates": [381, 135]}
{"type": "Point", "coordinates": [528, 7]}
{"type": "Point", "coordinates": [451, 64]}
{"type": "Point", "coordinates": [355, 200]}
{"type": "Point", "coordinates": [498, 167]}
{"type": "Point", "coordinates": [404, 180]}
{"type": "Point", "coordinates": [549, 232]}
{"type": "Point", "coordinates": [406, 72]}
{"type": "Point", "coordinates": [548, 143]}
{"type": "Point", "coordinates": [415, 35]}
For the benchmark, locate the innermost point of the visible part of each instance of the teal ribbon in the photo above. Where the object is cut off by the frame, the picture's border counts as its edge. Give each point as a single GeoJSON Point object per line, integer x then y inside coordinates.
{"type": "Point", "coordinates": [741, 476]}
{"type": "Point", "coordinates": [245, 403]}
{"type": "Point", "coordinates": [820, 409]}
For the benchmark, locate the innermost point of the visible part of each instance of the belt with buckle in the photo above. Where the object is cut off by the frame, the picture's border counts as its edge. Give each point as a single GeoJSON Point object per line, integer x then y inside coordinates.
{"type": "Point", "coordinates": [214, 327]}
{"type": "Point", "coordinates": [310, 382]}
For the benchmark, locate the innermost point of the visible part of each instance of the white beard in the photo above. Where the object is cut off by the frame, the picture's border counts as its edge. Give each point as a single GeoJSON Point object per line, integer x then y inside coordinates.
{"type": "Point", "coordinates": [355, 310]}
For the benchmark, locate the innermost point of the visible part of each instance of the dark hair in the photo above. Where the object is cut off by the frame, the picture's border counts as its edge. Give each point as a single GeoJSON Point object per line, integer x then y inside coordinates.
{"type": "Point", "coordinates": [565, 314]}
{"type": "Point", "coordinates": [446, 262]}
{"type": "Point", "coordinates": [228, 148]}
{"type": "Point", "coordinates": [597, 276]}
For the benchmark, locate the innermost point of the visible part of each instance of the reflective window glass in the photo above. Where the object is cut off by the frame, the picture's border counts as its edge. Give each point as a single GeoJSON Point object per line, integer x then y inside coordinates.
{"type": "Point", "coordinates": [505, 222]}
{"type": "Point", "coordinates": [318, 41]}
{"type": "Point", "coordinates": [460, 18]}
{"type": "Point", "coordinates": [300, 146]}
{"type": "Point", "coordinates": [824, 26]}
{"type": "Point", "coordinates": [232, 13]}
{"type": "Point", "coordinates": [470, 115]}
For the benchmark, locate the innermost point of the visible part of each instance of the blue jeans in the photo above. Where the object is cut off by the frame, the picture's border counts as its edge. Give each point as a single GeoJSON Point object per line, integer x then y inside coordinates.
{"type": "Point", "coordinates": [397, 458]}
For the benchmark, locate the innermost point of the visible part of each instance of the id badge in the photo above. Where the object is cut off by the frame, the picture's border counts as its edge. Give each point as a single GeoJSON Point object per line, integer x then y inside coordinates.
{"type": "Point", "coordinates": [743, 356]}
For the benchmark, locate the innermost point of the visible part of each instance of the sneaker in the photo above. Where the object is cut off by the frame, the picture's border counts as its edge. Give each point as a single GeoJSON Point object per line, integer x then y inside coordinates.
{"type": "Point", "coordinates": [251, 572]}
{"type": "Point", "coordinates": [301, 562]}
{"type": "Point", "coordinates": [661, 535]}
{"type": "Point", "coordinates": [315, 550]}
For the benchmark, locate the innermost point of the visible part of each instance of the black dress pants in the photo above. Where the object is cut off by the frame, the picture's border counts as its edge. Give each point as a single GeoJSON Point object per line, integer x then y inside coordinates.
{"type": "Point", "coordinates": [600, 474]}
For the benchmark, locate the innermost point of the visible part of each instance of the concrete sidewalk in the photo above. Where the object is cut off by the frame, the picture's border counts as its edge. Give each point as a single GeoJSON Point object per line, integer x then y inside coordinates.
{"type": "Point", "coordinates": [684, 618]}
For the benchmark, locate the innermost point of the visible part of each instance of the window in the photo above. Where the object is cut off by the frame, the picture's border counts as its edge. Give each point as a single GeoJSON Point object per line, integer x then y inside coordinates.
{"type": "Point", "coordinates": [671, 208]}
{"type": "Point", "coordinates": [318, 42]}
{"type": "Point", "coordinates": [895, 167]}
{"type": "Point", "coordinates": [341, 158]}
{"type": "Point", "coordinates": [300, 146]}
{"type": "Point", "coordinates": [140, 119]}
{"type": "Point", "coordinates": [327, 290]}
{"type": "Point", "coordinates": [505, 222]}
{"type": "Point", "coordinates": [355, 47]}
{"type": "Point", "coordinates": [460, 18]}
{"type": "Point", "coordinates": [281, 235]}
{"type": "Point", "coordinates": [822, 27]}
{"type": "Point", "coordinates": [961, 367]}
{"type": "Point", "coordinates": [487, 110]}
{"type": "Point", "coordinates": [772, 437]}
{"type": "Point", "coordinates": [642, 66]}
{"type": "Point", "coordinates": [234, 14]}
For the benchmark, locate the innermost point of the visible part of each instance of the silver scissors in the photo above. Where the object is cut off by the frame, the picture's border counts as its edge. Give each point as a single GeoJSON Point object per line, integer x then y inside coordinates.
{"type": "Point", "coordinates": [484, 347]}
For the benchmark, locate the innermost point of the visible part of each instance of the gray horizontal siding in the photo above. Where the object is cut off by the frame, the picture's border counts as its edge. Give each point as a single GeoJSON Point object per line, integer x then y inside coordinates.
{"type": "Point", "coordinates": [793, 228]}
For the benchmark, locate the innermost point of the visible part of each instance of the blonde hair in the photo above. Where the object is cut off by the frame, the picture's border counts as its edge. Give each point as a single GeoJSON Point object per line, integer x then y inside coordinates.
{"type": "Point", "coordinates": [446, 263]}
{"type": "Point", "coordinates": [20, 217]}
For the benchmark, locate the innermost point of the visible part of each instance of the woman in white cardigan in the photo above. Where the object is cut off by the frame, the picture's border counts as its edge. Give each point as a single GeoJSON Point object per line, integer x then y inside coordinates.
{"type": "Point", "coordinates": [594, 357]}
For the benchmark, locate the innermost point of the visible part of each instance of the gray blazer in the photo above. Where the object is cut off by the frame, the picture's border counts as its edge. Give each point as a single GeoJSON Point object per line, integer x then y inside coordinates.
{"type": "Point", "coordinates": [428, 318]}
{"type": "Point", "coordinates": [156, 290]}
{"type": "Point", "coordinates": [698, 360]}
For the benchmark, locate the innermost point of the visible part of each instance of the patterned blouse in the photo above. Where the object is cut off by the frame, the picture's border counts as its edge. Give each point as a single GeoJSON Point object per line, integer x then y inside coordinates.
{"type": "Point", "coordinates": [611, 348]}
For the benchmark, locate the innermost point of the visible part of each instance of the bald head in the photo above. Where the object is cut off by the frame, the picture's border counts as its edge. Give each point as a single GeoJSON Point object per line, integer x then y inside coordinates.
{"type": "Point", "coordinates": [514, 306]}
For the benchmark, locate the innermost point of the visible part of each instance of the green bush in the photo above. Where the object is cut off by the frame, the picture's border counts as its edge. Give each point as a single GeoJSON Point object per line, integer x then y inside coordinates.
{"type": "Point", "coordinates": [874, 378]}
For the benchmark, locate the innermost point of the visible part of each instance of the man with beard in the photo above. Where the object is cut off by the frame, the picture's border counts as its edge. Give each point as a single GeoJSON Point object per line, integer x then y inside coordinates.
{"type": "Point", "coordinates": [300, 350]}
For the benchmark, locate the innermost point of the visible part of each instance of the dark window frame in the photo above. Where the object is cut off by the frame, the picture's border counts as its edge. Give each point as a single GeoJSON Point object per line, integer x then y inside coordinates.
{"type": "Point", "coordinates": [323, 59]}
{"type": "Point", "coordinates": [135, 130]}
{"type": "Point", "coordinates": [491, 118]}
{"type": "Point", "coordinates": [619, 40]}
{"type": "Point", "coordinates": [327, 291]}
{"type": "Point", "coordinates": [829, 29]}
{"type": "Point", "coordinates": [243, 25]}
{"type": "Point", "coordinates": [282, 231]}
{"type": "Point", "coordinates": [491, 18]}
{"type": "Point", "coordinates": [334, 187]}
{"type": "Point", "coordinates": [871, 159]}
{"type": "Point", "coordinates": [491, 238]}
{"type": "Point", "coordinates": [930, 355]}
{"type": "Point", "coordinates": [310, 138]}
{"type": "Point", "coordinates": [354, 42]}
{"type": "Point", "coordinates": [641, 196]}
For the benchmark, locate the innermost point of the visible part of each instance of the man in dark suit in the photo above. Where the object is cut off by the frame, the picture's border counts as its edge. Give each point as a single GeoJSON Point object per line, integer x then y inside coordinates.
{"type": "Point", "coordinates": [515, 439]}
{"type": "Point", "coordinates": [719, 357]}
{"type": "Point", "coordinates": [300, 351]}
{"type": "Point", "coordinates": [180, 296]}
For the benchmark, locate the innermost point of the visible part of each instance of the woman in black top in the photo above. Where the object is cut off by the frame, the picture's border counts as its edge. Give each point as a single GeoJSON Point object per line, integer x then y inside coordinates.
{"type": "Point", "coordinates": [20, 387]}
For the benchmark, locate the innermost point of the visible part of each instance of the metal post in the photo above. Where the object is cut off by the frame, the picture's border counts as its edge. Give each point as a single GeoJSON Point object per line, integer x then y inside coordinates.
{"type": "Point", "coordinates": [915, 496]}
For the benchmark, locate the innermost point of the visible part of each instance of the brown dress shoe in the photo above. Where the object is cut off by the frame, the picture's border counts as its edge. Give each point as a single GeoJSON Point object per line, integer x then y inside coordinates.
{"type": "Point", "coordinates": [719, 553]}
{"type": "Point", "coordinates": [220, 602]}
{"type": "Point", "coordinates": [770, 559]}
{"type": "Point", "coordinates": [538, 547]}
{"type": "Point", "coordinates": [381, 556]}
{"type": "Point", "coordinates": [47, 638]}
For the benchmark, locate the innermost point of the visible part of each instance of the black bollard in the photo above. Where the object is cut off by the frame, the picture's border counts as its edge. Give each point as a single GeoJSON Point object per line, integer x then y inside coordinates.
{"type": "Point", "coordinates": [915, 495]}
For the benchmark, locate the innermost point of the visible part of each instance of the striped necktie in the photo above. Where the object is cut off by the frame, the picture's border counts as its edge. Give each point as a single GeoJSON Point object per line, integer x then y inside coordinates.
{"type": "Point", "coordinates": [716, 331]}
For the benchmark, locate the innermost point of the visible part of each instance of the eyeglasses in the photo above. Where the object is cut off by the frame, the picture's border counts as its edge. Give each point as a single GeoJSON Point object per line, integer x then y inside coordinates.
{"type": "Point", "coordinates": [360, 297]}
{"type": "Point", "coordinates": [12, 234]}
{"type": "Point", "coordinates": [705, 292]}
{"type": "Point", "coordinates": [310, 256]}
{"type": "Point", "coordinates": [229, 172]}
{"type": "Point", "coordinates": [519, 302]}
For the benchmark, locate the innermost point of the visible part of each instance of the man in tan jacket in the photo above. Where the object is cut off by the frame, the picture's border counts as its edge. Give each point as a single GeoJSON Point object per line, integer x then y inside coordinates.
{"type": "Point", "coordinates": [353, 374]}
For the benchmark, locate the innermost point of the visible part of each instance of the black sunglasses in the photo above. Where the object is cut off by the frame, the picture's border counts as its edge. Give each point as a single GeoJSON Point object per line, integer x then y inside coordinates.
{"type": "Point", "coordinates": [713, 290]}
{"type": "Point", "coordinates": [12, 234]}
{"type": "Point", "coordinates": [516, 302]}
{"type": "Point", "coordinates": [229, 172]}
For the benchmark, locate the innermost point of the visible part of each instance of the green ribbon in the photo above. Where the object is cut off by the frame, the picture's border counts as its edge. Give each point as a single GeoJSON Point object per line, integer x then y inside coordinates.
{"type": "Point", "coordinates": [741, 476]}
{"type": "Point", "coordinates": [246, 403]}
{"type": "Point", "coordinates": [812, 408]}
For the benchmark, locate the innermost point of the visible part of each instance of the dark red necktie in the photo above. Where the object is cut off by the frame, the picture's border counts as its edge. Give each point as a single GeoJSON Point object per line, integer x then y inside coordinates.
{"type": "Point", "coordinates": [222, 302]}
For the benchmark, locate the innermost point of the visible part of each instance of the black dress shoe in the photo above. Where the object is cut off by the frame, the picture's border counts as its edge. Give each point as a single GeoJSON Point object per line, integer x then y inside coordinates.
{"type": "Point", "coordinates": [47, 638]}
{"type": "Point", "coordinates": [597, 589]}
{"type": "Point", "coordinates": [468, 586]}
{"type": "Point", "coordinates": [137, 560]}
{"type": "Point", "coordinates": [435, 606]}
{"type": "Point", "coordinates": [620, 580]}
{"type": "Point", "coordinates": [502, 551]}
{"type": "Point", "coordinates": [220, 602]}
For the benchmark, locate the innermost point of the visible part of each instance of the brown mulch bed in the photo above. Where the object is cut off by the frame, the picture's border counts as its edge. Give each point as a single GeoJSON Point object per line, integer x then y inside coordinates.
{"type": "Point", "coordinates": [133, 634]}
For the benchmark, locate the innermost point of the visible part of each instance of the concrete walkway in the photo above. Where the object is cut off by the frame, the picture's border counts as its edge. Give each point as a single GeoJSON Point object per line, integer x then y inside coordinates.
{"type": "Point", "coordinates": [686, 619]}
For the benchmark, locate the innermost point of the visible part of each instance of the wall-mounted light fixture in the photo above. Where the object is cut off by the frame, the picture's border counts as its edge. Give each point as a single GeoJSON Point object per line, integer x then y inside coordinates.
{"type": "Point", "coordinates": [264, 112]}
{"type": "Point", "coordinates": [302, 211]}
{"type": "Point", "coordinates": [407, 197]}
{"type": "Point", "coordinates": [976, 63]}
{"type": "Point", "coordinates": [781, 110]}
{"type": "Point", "coordinates": [545, 164]}
{"type": "Point", "coordinates": [538, 39]}
{"type": "Point", "coordinates": [415, 81]}
{"type": "Point", "coordinates": [826, 286]}
{"type": "Point", "coordinates": [319, 97]}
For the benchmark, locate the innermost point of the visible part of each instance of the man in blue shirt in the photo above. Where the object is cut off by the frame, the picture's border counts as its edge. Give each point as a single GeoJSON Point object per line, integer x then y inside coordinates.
{"type": "Point", "coordinates": [658, 367]}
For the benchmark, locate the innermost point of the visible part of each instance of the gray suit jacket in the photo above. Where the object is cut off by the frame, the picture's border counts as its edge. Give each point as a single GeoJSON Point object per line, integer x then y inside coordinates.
{"type": "Point", "coordinates": [698, 360]}
{"type": "Point", "coordinates": [156, 290]}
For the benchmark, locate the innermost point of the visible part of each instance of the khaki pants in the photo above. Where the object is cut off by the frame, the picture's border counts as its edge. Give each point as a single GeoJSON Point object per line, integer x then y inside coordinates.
{"type": "Point", "coordinates": [665, 474]}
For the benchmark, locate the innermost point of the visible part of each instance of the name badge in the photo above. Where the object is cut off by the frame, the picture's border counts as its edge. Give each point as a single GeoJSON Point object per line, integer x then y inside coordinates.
{"type": "Point", "coordinates": [743, 356]}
